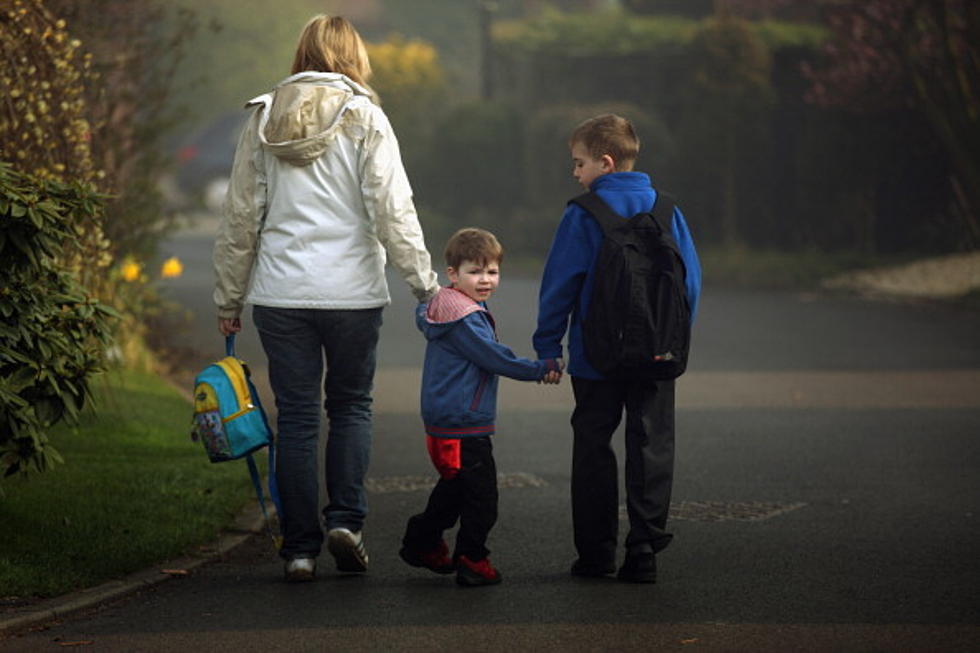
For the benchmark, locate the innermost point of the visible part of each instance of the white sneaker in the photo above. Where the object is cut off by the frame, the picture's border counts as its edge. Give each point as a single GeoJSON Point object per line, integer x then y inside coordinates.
{"type": "Point", "coordinates": [300, 570]}
{"type": "Point", "coordinates": [348, 548]}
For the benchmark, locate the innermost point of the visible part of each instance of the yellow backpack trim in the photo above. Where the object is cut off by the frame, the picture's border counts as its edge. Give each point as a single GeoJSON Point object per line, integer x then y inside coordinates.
{"type": "Point", "coordinates": [236, 373]}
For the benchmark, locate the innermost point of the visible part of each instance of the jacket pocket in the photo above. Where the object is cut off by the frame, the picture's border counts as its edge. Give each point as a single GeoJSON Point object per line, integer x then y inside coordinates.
{"type": "Point", "coordinates": [480, 387]}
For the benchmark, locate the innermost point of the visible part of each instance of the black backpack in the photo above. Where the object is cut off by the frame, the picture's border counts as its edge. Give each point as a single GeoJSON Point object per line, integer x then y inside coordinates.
{"type": "Point", "coordinates": [639, 320]}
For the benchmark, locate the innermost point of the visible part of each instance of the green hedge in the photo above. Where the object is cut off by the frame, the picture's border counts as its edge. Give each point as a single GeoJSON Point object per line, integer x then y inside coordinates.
{"type": "Point", "coordinates": [53, 332]}
{"type": "Point", "coordinates": [619, 33]}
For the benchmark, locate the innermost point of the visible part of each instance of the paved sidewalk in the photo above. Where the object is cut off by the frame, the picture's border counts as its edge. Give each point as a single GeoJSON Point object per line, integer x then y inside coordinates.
{"type": "Point", "coordinates": [864, 413]}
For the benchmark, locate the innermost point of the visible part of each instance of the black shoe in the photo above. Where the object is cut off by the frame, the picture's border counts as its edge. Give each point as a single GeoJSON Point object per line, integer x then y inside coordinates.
{"type": "Point", "coordinates": [436, 559]}
{"type": "Point", "coordinates": [592, 569]}
{"type": "Point", "coordinates": [638, 568]}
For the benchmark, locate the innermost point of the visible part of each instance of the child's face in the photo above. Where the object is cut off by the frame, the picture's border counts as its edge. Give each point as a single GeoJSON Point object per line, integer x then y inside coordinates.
{"type": "Point", "coordinates": [585, 168]}
{"type": "Point", "coordinates": [476, 280]}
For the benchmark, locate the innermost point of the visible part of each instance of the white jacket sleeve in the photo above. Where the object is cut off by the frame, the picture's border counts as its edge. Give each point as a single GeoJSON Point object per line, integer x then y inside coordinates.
{"type": "Point", "coordinates": [387, 197]}
{"type": "Point", "coordinates": [236, 243]}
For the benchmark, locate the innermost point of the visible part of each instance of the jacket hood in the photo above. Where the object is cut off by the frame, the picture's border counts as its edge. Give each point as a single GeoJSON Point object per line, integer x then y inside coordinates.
{"type": "Point", "coordinates": [446, 307]}
{"type": "Point", "coordinates": [303, 114]}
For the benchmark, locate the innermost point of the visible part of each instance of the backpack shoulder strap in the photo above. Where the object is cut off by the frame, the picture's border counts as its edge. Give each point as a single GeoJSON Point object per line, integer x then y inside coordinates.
{"type": "Point", "coordinates": [663, 213]}
{"type": "Point", "coordinates": [598, 209]}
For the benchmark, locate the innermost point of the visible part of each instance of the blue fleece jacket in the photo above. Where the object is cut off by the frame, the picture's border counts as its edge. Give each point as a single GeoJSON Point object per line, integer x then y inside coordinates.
{"type": "Point", "coordinates": [566, 285]}
{"type": "Point", "coordinates": [462, 361]}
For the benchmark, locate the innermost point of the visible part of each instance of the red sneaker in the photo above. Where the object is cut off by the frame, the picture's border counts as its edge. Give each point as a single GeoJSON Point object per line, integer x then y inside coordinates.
{"type": "Point", "coordinates": [477, 573]}
{"type": "Point", "coordinates": [436, 560]}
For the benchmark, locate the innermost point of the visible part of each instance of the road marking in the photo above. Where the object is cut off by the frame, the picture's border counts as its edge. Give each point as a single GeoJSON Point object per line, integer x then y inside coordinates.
{"type": "Point", "coordinates": [716, 511]}
{"type": "Point", "coordinates": [702, 511]}
{"type": "Point", "coordinates": [389, 484]}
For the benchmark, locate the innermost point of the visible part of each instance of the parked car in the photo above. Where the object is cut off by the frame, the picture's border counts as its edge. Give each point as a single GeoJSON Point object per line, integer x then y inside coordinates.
{"type": "Point", "coordinates": [204, 161]}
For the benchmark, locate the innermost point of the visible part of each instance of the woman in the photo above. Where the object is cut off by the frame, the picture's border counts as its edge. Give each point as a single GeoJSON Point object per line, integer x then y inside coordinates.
{"type": "Point", "coordinates": [318, 197]}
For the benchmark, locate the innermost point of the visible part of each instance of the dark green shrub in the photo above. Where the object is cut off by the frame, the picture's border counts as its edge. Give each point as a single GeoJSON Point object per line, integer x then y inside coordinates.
{"type": "Point", "coordinates": [548, 161]}
{"type": "Point", "coordinates": [53, 333]}
{"type": "Point", "coordinates": [477, 161]}
{"type": "Point", "coordinates": [725, 124]}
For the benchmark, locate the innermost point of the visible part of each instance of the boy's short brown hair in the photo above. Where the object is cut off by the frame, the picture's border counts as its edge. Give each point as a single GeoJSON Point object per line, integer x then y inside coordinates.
{"type": "Point", "coordinates": [609, 134]}
{"type": "Point", "coordinates": [472, 244]}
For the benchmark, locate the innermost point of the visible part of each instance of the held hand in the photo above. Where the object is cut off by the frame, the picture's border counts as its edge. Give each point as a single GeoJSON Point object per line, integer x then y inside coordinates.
{"type": "Point", "coordinates": [229, 326]}
{"type": "Point", "coordinates": [552, 378]}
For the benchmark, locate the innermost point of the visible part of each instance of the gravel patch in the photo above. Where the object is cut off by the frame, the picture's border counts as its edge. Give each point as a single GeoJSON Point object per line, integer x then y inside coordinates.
{"type": "Point", "coordinates": [943, 277]}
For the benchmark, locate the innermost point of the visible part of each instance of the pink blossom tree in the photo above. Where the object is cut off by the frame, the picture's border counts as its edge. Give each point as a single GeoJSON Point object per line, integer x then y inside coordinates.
{"type": "Point", "coordinates": [921, 53]}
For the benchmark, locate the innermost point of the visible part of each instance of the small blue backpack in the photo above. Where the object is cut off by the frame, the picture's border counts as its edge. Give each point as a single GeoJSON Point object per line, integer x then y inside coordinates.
{"type": "Point", "coordinates": [229, 419]}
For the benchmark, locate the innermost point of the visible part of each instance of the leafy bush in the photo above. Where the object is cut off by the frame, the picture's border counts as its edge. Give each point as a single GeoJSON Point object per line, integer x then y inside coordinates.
{"type": "Point", "coordinates": [410, 80]}
{"type": "Point", "coordinates": [548, 160]}
{"type": "Point", "coordinates": [53, 333]}
{"type": "Point", "coordinates": [44, 122]}
{"type": "Point", "coordinates": [726, 117]}
{"type": "Point", "coordinates": [43, 125]}
{"type": "Point", "coordinates": [478, 160]}
{"type": "Point", "coordinates": [608, 32]}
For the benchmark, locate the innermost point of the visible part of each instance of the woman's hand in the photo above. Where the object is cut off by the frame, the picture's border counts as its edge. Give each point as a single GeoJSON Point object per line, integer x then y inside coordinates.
{"type": "Point", "coordinates": [229, 326]}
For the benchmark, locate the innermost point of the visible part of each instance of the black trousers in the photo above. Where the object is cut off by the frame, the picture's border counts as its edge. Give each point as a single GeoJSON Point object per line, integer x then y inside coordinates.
{"type": "Point", "coordinates": [470, 497]}
{"type": "Point", "coordinates": [649, 465]}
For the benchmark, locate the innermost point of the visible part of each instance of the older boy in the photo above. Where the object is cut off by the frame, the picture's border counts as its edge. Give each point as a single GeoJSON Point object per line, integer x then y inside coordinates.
{"type": "Point", "coordinates": [603, 152]}
{"type": "Point", "coordinates": [459, 404]}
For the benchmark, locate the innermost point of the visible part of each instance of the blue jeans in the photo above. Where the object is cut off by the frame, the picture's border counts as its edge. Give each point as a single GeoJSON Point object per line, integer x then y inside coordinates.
{"type": "Point", "coordinates": [296, 341]}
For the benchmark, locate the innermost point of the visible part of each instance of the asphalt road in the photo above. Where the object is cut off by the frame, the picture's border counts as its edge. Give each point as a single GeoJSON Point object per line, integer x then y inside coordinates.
{"type": "Point", "coordinates": [825, 500]}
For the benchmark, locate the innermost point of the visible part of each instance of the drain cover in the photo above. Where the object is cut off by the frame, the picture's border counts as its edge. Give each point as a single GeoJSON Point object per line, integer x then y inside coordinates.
{"type": "Point", "coordinates": [388, 484]}
{"type": "Point", "coordinates": [712, 511]}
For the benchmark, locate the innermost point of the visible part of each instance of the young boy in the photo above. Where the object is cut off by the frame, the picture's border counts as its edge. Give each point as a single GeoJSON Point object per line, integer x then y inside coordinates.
{"type": "Point", "coordinates": [603, 152]}
{"type": "Point", "coordinates": [459, 404]}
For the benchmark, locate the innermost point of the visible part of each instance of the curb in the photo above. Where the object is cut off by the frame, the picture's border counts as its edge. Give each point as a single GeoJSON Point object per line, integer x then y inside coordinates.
{"type": "Point", "coordinates": [249, 522]}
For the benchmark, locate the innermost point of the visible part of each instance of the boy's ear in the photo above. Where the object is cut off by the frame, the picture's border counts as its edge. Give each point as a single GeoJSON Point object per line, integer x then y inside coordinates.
{"type": "Point", "coordinates": [607, 164]}
{"type": "Point", "coordinates": [451, 273]}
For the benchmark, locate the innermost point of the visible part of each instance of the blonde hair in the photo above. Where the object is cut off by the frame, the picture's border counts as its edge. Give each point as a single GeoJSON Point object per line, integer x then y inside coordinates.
{"type": "Point", "coordinates": [330, 44]}
{"type": "Point", "coordinates": [472, 244]}
{"type": "Point", "coordinates": [609, 134]}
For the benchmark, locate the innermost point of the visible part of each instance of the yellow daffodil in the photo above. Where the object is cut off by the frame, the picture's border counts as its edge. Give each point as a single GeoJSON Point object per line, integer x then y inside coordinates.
{"type": "Point", "coordinates": [172, 267]}
{"type": "Point", "coordinates": [131, 271]}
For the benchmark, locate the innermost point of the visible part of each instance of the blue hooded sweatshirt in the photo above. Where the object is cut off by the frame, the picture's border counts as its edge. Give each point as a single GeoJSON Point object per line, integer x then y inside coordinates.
{"type": "Point", "coordinates": [566, 284]}
{"type": "Point", "coordinates": [462, 361]}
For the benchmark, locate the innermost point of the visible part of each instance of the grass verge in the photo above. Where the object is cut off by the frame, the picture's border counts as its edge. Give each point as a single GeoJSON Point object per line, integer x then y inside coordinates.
{"type": "Point", "coordinates": [134, 490]}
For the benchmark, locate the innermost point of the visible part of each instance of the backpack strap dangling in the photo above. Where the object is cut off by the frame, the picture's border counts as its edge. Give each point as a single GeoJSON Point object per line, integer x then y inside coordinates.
{"type": "Point", "coordinates": [253, 469]}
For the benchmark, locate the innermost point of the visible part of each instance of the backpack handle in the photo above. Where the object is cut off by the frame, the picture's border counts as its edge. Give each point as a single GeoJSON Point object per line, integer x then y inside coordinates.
{"type": "Point", "coordinates": [230, 344]}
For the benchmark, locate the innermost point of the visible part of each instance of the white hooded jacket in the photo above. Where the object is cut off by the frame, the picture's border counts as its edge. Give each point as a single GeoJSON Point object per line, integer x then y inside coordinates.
{"type": "Point", "coordinates": [318, 197]}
